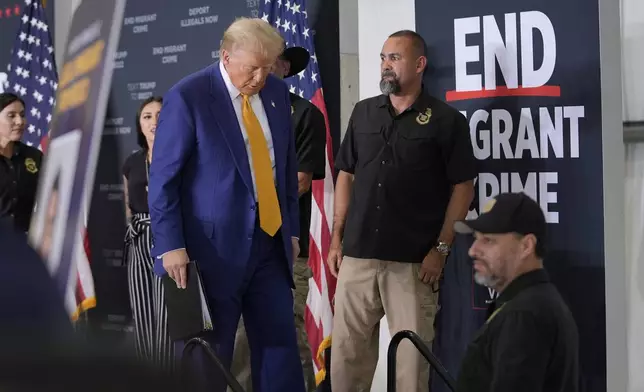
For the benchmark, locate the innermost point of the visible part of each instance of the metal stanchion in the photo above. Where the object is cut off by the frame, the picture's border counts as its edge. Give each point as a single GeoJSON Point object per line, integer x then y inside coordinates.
{"type": "Point", "coordinates": [185, 362]}
{"type": "Point", "coordinates": [424, 350]}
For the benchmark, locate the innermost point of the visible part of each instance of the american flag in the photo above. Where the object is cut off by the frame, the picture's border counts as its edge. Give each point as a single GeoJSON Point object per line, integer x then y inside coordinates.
{"type": "Point", "coordinates": [33, 77]}
{"type": "Point", "coordinates": [32, 72]}
{"type": "Point", "coordinates": [291, 19]}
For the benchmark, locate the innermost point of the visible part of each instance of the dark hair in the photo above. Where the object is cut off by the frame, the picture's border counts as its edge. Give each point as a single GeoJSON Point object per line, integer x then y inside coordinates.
{"type": "Point", "coordinates": [418, 43]}
{"type": "Point", "coordinates": [7, 99]}
{"type": "Point", "coordinates": [140, 137]}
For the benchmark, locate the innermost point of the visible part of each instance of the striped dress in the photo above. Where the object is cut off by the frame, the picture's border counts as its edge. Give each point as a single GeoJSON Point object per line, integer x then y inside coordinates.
{"type": "Point", "coordinates": [147, 301]}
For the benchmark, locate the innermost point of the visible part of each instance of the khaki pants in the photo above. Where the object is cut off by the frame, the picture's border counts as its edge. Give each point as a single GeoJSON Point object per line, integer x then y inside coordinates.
{"type": "Point", "coordinates": [367, 290]}
{"type": "Point", "coordinates": [241, 355]}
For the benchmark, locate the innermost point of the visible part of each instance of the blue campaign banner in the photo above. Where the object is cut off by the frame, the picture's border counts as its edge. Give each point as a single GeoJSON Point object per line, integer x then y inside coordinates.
{"type": "Point", "coordinates": [10, 13]}
{"type": "Point", "coordinates": [526, 75]}
{"type": "Point", "coordinates": [74, 142]}
{"type": "Point", "coordinates": [161, 42]}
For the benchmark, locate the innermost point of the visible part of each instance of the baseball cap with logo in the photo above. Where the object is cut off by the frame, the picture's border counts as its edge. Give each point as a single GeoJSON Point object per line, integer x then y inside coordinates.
{"type": "Point", "coordinates": [509, 213]}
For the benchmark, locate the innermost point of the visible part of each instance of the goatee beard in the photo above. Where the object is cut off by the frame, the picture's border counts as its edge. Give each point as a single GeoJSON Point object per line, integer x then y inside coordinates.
{"type": "Point", "coordinates": [389, 86]}
{"type": "Point", "coordinates": [486, 281]}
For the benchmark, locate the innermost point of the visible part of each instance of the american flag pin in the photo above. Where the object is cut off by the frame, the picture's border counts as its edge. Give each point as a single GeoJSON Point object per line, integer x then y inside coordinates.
{"type": "Point", "coordinates": [273, 103]}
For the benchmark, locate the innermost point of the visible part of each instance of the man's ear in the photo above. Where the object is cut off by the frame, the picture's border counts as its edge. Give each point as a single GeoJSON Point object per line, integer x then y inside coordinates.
{"type": "Point", "coordinates": [528, 244]}
{"type": "Point", "coordinates": [421, 64]}
{"type": "Point", "coordinates": [225, 56]}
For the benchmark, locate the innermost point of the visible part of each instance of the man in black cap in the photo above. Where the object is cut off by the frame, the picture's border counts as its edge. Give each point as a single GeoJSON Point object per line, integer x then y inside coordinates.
{"type": "Point", "coordinates": [310, 143]}
{"type": "Point", "coordinates": [529, 342]}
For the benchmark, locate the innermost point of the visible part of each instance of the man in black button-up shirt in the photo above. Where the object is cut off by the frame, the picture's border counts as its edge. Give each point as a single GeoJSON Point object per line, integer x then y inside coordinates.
{"type": "Point", "coordinates": [19, 165]}
{"type": "Point", "coordinates": [406, 170]}
{"type": "Point", "coordinates": [530, 341]}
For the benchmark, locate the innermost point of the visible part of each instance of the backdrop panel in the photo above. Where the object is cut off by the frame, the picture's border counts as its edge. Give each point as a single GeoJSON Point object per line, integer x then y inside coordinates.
{"type": "Point", "coordinates": [161, 42]}
{"type": "Point", "coordinates": [527, 77]}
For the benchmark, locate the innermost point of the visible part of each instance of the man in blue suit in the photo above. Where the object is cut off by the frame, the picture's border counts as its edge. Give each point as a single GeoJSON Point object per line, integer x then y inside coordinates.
{"type": "Point", "coordinates": [223, 192]}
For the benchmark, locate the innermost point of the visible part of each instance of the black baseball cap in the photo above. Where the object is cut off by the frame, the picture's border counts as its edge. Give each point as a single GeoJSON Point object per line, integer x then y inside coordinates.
{"type": "Point", "coordinates": [509, 213]}
{"type": "Point", "coordinates": [298, 57]}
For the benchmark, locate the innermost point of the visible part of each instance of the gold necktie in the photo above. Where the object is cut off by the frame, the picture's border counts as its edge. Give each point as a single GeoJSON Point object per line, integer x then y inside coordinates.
{"type": "Point", "coordinates": [270, 218]}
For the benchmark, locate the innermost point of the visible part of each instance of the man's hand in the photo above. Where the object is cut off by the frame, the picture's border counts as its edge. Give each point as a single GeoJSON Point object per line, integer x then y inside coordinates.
{"type": "Point", "coordinates": [174, 262]}
{"type": "Point", "coordinates": [432, 267]}
{"type": "Point", "coordinates": [296, 247]}
{"type": "Point", "coordinates": [335, 258]}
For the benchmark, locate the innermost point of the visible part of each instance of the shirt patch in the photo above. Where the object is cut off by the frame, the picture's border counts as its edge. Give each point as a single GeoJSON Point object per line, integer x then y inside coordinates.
{"type": "Point", "coordinates": [30, 165]}
{"type": "Point", "coordinates": [423, 118]}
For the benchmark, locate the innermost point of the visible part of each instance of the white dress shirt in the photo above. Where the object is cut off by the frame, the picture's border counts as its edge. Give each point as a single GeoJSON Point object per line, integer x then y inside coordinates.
{"type": "Point", "coordinates": [260, 113]}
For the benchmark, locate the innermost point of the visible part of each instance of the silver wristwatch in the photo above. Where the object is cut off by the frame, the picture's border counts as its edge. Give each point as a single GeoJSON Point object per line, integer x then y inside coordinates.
{"type": "Point", "coordinates": [443, 248]}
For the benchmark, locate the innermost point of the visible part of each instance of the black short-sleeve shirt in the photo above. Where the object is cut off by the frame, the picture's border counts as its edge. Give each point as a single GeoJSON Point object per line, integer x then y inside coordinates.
{"type": "Point", "coordinates": [18, 184]}
{"type": "Point", "coordinates": [530, 342]}
{"type": "Point", "coordinates": [135, 170]}
{"type": "Point", "coordinates": [310, 143]}
{"type": "Point", "coordinates": [404, 168]}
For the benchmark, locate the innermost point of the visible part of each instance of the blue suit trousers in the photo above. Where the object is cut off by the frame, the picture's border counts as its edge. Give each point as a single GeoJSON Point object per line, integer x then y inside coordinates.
{"type": "Point", "coordinates": [265, 299]}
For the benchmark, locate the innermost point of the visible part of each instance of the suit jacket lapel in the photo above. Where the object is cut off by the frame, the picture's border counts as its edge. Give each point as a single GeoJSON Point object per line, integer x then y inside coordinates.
{"type": "Point", "coordinates": [224, 114]}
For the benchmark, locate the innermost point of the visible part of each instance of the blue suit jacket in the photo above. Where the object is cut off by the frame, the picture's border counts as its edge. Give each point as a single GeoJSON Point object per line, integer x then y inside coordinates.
{"type": "Point", "coordinates": [200, 190]}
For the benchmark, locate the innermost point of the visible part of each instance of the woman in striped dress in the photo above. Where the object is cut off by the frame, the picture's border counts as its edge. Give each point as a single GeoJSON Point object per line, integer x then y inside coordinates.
{"type": "Point", "coordinates": [153, 342]}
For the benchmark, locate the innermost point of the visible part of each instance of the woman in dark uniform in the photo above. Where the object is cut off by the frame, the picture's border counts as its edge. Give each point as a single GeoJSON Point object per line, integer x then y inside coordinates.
{"type": "Point", "coordinates": [153, 342]}
{"type": "Point", "coordinates": [19, 165]}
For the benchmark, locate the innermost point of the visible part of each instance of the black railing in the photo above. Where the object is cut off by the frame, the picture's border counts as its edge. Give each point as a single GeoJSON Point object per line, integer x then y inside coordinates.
{"type": "Point", "coordinates": [424, 350]}
{"type": "Point", "coordinates": [185, 363]}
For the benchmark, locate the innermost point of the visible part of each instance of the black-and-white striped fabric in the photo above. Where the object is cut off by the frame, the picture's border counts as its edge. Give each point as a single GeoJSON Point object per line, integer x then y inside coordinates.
{"type": "Point", "coordinates": [153, 342]}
